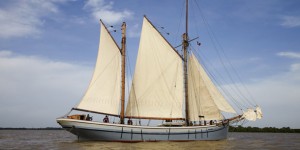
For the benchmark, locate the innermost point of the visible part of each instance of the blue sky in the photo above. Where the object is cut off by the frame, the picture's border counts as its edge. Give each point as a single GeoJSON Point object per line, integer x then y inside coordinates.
{"type": "Point", "coordinates": [48, 50]}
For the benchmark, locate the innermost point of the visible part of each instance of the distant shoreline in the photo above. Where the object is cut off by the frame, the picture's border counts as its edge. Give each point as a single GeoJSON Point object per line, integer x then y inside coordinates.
{"type": "Point", "coordinates": [47, 128]}
{"type": "Point", "coordinates": [263, 130]}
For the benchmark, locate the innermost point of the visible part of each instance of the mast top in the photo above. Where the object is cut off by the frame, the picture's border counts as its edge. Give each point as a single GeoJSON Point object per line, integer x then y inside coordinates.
{"type": "Point", "coordinates": [186, 17]}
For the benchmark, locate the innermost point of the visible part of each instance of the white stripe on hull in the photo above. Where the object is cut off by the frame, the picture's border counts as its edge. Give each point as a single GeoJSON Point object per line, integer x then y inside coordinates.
{"type": "Point", "coordinates": [88, 130]}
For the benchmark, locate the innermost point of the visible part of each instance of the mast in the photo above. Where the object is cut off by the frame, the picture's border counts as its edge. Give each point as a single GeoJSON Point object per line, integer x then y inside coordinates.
{"type": "Point", "coordinates": [123, 52]}
{"type": "Point", "coordinates": [185, 45]}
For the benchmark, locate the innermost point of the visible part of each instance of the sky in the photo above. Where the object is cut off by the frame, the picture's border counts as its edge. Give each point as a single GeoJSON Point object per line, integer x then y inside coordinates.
{"type": "Point", "coordinates": [48, 50]}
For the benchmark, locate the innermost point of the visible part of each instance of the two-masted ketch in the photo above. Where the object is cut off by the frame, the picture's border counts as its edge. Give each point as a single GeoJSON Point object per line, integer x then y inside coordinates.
{"type": "Point", "coordinates": [166, 86]}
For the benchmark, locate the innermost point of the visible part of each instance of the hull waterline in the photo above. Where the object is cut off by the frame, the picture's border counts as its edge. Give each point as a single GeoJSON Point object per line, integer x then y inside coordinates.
{"type": "Point", "coordinates": [89, 130]}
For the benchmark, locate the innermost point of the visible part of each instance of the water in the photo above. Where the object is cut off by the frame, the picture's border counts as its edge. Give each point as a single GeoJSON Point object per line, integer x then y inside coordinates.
{"type": "Point", "coordinates": [60, 139]}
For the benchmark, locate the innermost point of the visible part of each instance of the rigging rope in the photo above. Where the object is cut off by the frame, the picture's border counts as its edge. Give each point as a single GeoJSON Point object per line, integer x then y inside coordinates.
{"type": "Point", "coordinates": [130, 71]}
{"type": "Point", "coordinates": [213, 77]}
{"type": "Point", "coordinates": [225, 91]}
{"type": "Point", "coordinates": [180, 23]}
{"type": "Point", "coordinates": [215, 43]}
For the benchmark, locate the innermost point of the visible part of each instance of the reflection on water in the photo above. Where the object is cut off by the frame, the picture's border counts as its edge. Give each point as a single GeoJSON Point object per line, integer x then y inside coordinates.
{"type": "Point", "coordinates": [59, 139]}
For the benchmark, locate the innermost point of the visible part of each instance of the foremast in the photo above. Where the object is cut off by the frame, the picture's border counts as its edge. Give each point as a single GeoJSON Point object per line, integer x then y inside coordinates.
{"type": "Point", "coordinates": [185, 44]}
{"type": "Point", "coordinates": [123, 53]}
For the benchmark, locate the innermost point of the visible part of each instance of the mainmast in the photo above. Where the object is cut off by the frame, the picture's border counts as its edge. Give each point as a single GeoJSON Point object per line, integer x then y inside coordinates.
{"type": "Point", "coordinates": [123, 52]}
{"type": "Point", "coordinates": [185, 45]}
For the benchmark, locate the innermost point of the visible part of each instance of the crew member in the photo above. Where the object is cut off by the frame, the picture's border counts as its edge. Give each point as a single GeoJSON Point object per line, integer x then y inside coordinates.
{"type": "Point", "coordinates": [105, 119]}
{"type": "Point", "coordinates": [129, 122]}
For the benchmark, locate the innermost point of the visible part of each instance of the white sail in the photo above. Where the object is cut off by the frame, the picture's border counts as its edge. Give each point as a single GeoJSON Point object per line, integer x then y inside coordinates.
{"type": "Point", "coordinates": [249, 115]}
{"type": "Point", "coordinates": [157, 87]}
{"type": "Point", "coordinates": [259, 113]}
{"type": "Point", "coordinates": [218, 98]}
{"type": "Point", "coordinates": [104, 92]}
{"type": "Point", "coordinates": [201, 102]}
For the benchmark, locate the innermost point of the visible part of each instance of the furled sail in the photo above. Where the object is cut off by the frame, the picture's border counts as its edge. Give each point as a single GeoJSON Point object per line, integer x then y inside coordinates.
{"type": "Point", "coordinates": [249, 115]}
{"type": "Point", "coordinates": [104, 92]}
{"type": "Point", "coordinates": [259, 113]}
{"type": "Point", "coordinates": [204, 98]}
{"type": "Point", "coordinates": [157, 87]}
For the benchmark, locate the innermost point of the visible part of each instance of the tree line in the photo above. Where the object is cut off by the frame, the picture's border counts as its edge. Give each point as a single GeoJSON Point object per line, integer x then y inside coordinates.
{"type": "Point", "coordinates": [265, 129]}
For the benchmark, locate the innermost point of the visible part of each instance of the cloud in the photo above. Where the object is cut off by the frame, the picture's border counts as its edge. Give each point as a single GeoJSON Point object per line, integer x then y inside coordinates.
{"type": "Point", "coordinates": [24, 18]}
{"type": "Point", "coordinates": [134, 31]}
{"type": "Point", "coordinates": [78, 20]}
{"type": "Point", "coordinates": [295, 67]}
{"type": "Point", "coordinates": [102, 10]}
{"type": "Point", "coordinates": [289, 54]}
{"type": "Point", "coordinates": [278, 95]}
{"type": "Point", "coordinates": [34, 90]}
{"type": "Point", "coordinates": [5, 53]}
{"type": "Point", "coordinates": [290, 21]}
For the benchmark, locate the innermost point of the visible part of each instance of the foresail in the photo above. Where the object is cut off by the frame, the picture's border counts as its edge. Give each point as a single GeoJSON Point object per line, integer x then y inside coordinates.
{"type": "Point", "coordinates": [204, 98]}
{"type": "Point", "coordinates": [157, 87]}
{"type": "Point", "coordinates": [104, 92]}
{"type": "Point", "coordinates": [214, 93]}
{"type": "Point", "coordinates": [201, 103]}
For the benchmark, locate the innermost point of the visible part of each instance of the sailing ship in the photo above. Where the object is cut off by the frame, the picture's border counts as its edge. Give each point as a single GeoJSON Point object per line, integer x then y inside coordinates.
{"type": "Point", "coordinates": [166, 86]}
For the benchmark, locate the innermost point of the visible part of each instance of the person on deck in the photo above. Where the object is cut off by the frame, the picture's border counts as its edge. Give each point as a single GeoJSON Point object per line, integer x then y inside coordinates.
{"type": "Point", "coordinates": [129, 122]}
{"type": "Point", "coordinates": [88, 118]}
{"type": "Point", "coordinates": [105, 119]}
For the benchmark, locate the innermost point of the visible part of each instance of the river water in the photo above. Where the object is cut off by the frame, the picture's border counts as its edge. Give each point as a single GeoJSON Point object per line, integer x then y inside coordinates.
{"type": "Point", "coordinates": [60, 139]}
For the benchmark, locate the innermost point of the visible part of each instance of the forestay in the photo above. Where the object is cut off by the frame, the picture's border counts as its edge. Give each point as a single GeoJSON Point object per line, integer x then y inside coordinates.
{"type": "Point", "coordinates": [157, 87]}
{"type": "Point", "coordinates": [104, 92]}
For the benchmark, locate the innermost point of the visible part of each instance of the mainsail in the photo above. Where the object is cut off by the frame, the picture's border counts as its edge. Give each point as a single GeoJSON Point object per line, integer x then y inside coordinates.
{"type": "Point", "coordinates": [204, 98]}
{"type": "Point", "coordinates": [157, 87]}
{"type": "Point", "coordinates": [104, 92]}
